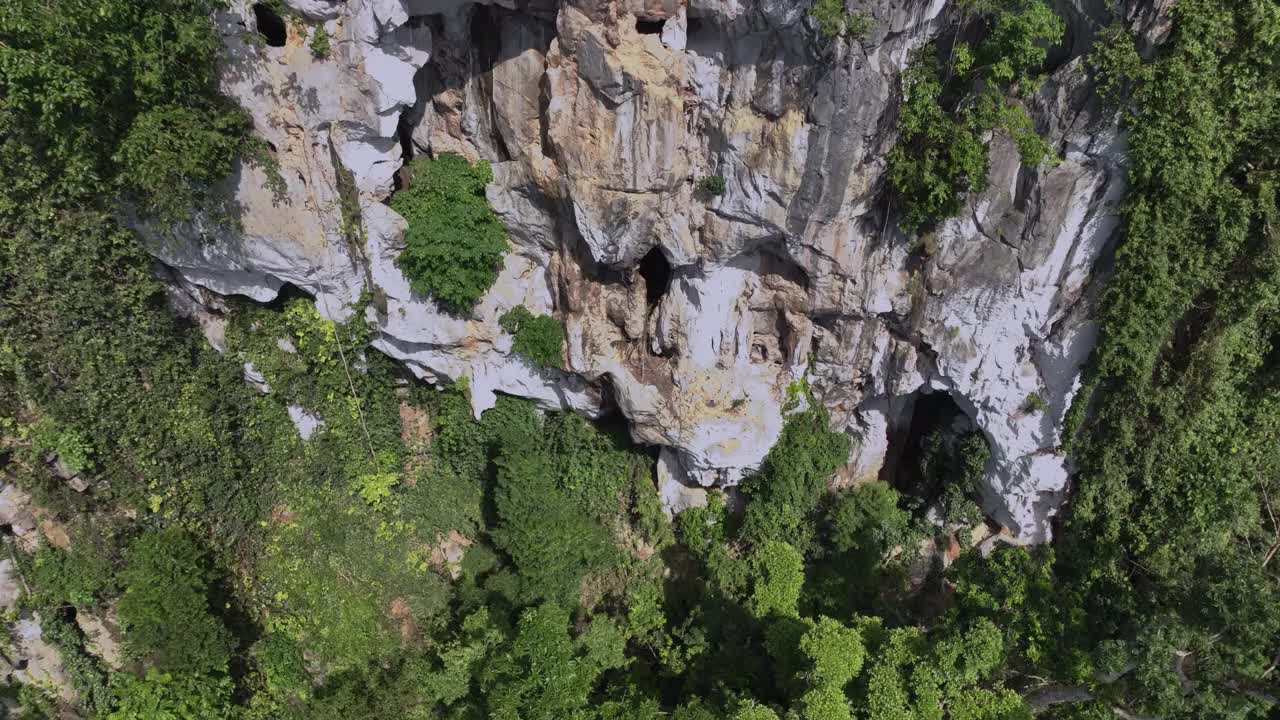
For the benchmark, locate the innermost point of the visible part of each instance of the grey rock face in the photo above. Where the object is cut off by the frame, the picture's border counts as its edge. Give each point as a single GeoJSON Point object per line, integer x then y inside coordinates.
{"type": "Point", "coordinates": [690, 313]}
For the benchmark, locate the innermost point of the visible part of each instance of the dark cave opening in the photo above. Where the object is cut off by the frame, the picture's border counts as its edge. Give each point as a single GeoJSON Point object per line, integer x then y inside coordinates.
{"type": "Point", "coordinates": [270, 25]}
{"type": "Point", "coordinates": [921, 456]}
{"type": "Point", "coordinates": [286, 293]}
{"type": "Point", "coordinates": [649, 27]}
{"type": "Point", "coordinates": [656, 271]}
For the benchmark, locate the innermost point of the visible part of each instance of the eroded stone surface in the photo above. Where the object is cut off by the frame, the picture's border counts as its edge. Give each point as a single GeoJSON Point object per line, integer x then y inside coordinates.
{"type": "Point", "coordinates": [600, 117]}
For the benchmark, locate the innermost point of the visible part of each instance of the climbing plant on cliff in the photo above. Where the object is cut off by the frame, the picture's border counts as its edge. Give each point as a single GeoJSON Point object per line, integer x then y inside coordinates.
{"type": "Point", "coordinates": [954, 95]}
{"type": "Point", "coordinates": [455, 241]}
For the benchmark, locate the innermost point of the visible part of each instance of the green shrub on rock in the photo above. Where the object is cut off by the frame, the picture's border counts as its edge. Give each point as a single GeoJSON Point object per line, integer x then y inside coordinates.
{"type": "Point", "coordinates": [319, 43]}
{"type": "Point", "coordinates": [455, 242]}
{"type": "Point", "coordinates": [712, 185]}
{"type": "Point", "coordinates": [538, 338]}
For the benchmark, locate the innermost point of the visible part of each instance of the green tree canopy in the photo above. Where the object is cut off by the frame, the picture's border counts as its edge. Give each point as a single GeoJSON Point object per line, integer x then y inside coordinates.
{"type": "Point", "coordinates": [165, 606]}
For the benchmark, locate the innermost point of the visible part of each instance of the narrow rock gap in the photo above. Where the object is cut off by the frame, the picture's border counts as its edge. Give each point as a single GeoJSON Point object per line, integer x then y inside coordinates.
{"type": "Point", "coordinates": [649, 27]}
{"type": "Point", "coordinates": [6, 530]}
{"type": "Point", "coordinates": [544, 114]}
{"type": "Point", "coordinates": [404, 133]}
{"type": "Point", "coordinates": [486, 44]}
{"type": "Point", "coordinates": [270, 25]}
{"type": "Point", "coordinates": [656, 271]}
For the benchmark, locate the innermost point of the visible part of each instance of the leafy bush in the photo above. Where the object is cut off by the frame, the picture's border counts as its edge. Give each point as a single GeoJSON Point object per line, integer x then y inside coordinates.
{"type": "Point", "coordinates": [172, 153]}
{"type": "Point", "coordinates": [172, 696]}
{"type": "Point", "coordinates": [938, 157]}
{"type": "Point", "coordinates": [69, 445]}
{"type": "Point", "coordinates": [537, 338]}
{"type": "Point", "coordinates": [955, 466]}
{"type": "Point", "coordinates": [868, 521]}
{"type": "Point", "coordinates": [165, 607]}
{"type": "Point", "coordinates": [911, 675]}
{"type": "Point", "coordinates": [74, 577]}
{"type": "Point", "coordinates": [546, 673]}
{"type": "Point", "coordinates": [319, 43]}
{"type": "Point", "coordinates": [712, 185]}
{"type": "Point", "coordinates": [1035, 403]}
{"type": "Point", "coordinates": [777, 576]}
{"type": "Point", "coordinates": [87, 89]}
{"type": "Point", "coordinates": [552, 541]}
{"type": "Point", "coordinates": [455, 242]}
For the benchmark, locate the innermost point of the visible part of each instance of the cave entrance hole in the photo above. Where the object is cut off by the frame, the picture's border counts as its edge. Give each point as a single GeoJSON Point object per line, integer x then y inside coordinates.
{"type": "Point", "coordinates": [922, 446]}
{"type": "Point", "coordinates": [270, 25]}
{"type": "Point", "coordinates": [646, 26]}
{"type": "Point", "coordinates": [656, 271]}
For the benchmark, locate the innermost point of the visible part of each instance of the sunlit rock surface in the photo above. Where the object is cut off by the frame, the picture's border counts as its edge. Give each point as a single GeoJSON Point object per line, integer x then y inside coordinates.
{"type": "Point", "coordinates": [689, 313]}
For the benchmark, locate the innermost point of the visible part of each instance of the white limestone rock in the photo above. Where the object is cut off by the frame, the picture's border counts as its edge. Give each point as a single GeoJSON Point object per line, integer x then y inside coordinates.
{"type": "Point", "coordinates": [304, 421]}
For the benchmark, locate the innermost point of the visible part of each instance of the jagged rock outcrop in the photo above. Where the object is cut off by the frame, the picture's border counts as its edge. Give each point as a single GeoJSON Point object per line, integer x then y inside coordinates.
{"type": "Point", "coordinates": [690, 313]}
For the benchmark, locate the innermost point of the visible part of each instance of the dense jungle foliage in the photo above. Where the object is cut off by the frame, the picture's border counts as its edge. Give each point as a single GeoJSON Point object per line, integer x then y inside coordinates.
{"type": "Point", "coordinates": [408, 560]}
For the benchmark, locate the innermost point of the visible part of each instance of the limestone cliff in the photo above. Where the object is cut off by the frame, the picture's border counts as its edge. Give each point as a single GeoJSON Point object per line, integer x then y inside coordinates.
{"type": "Point", "coordinates": [690, 313]}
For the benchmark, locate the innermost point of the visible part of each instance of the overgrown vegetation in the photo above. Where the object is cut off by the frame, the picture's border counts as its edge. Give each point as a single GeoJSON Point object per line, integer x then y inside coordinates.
{"type": "Point", "coordinates": [455, 241]}
{"type": "Point", "coordinates": [113, 95]}
{"type": "Point", "coordinates": [537, 338]}
{"type": "Point", "coordinates": [954, 95]}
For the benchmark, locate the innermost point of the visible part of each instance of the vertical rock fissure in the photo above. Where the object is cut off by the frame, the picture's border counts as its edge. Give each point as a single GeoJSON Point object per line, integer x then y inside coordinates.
{"type": "Point", "coordinates": [486, 42]}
